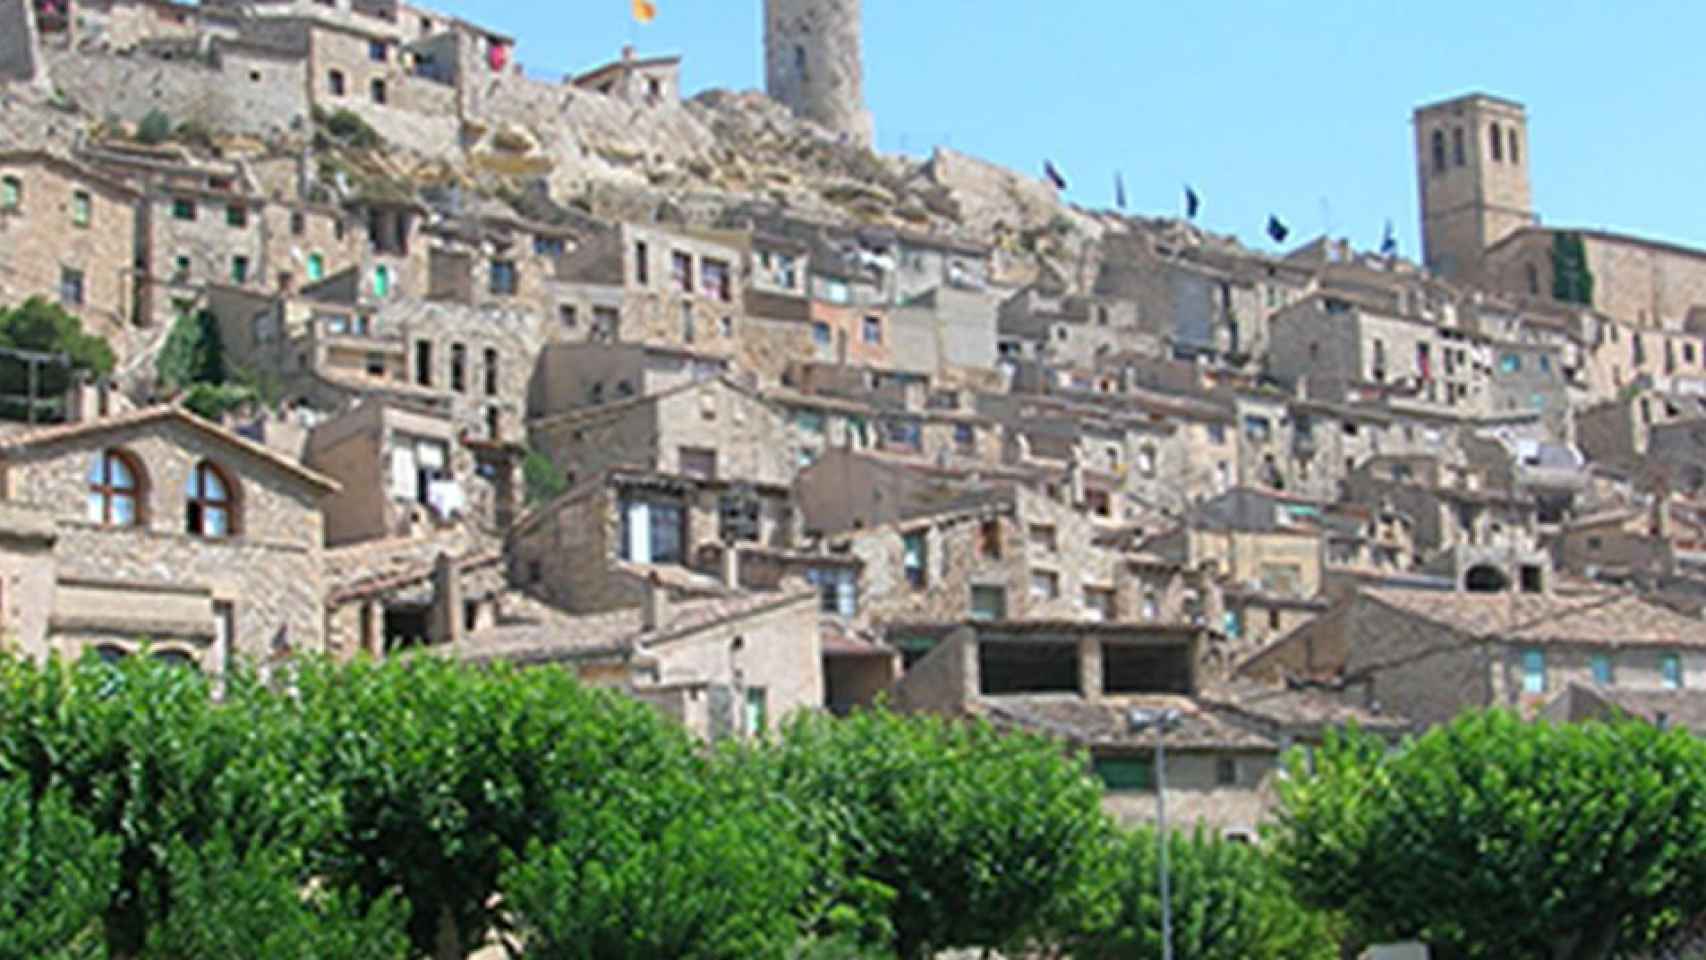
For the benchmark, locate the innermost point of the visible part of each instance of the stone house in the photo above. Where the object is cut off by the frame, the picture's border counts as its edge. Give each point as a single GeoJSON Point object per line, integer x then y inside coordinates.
{"type": "Point", "coordinates": [1664, 709]}
{"type": "Point", "coordinates": [668, 287]}
{"type": "Point", "coordinates": [1079, 683]}
{"type": "Point", "coordinates": [386, 597]}
{"type": "Point", "coordinates": [1640, 283]}
{"type": "Point", "coordinates": [1617, 543]}
{"type": "Point", "coordinates": [401, 472]}
{"type": "Point", "coordinates": [1448, 504]}
{"type": "Point", "coordinates": [1429, 656]}
{"type": "Point", "coordinates": [595, 548]}
{"type": "Point", "coordinates": [68, 234]}
{"type": "Point", "coordinates": [1070, 330]}
{"type": "Point", "coordinates": [733, 667]}
{"type": "Point", "coordinates": [711, 429]}
{"type": "Point", "coordinates": [1259, 541]}
{"type": "Point", "coordinates": [157, 526]}
{"type": "Point", "coordinates": [497, 259]}
{"type": "Point", "coordinates": [640, 81]}
{"type": "Point", "coordinates": [570, 377]}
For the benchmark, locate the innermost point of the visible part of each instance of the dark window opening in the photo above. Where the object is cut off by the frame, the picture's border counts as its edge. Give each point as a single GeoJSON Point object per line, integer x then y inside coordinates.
{"type": "Point", "coordinates": [1145, 668]}
{"type": "Point", "coordinates": [1459, 153]}
{"type": "Point", "coordinates": [335, 82]}
{"type": "Point", "coordinates": [1018, 667]}
{"type": "Point", "coordinates": [1496, 141]}
{"type": "Point", "coordinates": [1532, 579]}
{"type": "Point", "coordinates": [407, 627]}
{"type": "Point", "coordinates": [423, 363]}
{"type": "Point", "coordinates": [1486, 579]}
{"type": "Point", "coordinates": [1439, 151]}
{"type": "Point", "coordinates": [491, 367]}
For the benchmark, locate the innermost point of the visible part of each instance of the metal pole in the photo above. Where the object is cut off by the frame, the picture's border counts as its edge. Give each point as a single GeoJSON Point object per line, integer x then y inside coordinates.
{"type": "Point", "coordinates": [1161, 837]}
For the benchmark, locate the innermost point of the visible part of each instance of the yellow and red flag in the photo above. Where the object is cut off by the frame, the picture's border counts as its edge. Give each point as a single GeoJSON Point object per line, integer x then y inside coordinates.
{"type": "Point", "coordinates": [645, 11]}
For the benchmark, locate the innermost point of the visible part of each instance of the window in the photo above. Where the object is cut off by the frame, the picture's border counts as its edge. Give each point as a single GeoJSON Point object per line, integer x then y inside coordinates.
{"type": "Point", "coordinates": [1043, 537]}
{"type": "Point", "coordinates": [1510, 363]}
{"type": "Point", "coordinates": [1225, 772]}
{"type": "Point", "coordinates": [820, 334]}
{"type": "Point", "coordinates": [838, 590]}
{"type": "Point", "coordinates": [1496, 141]}
{"type": "Point", "coordinates": [375, 365]}
{"type": "Point", "coordinates": [988, 603]}
{"type": "Point", "coordinates": [1274, 618]}
{"type": "Point", "coordinates": [335, 82]}
{"type": "Point", "coordinates": [382, 281]}
{"type": "Point", "coordinates": [1533, 671]}
{"type": "Point", "coordinates": [181, 269]}
{"type": "Point", "coordinates": [965, 438]}
{"type": "Point", "coordinates": [1099, 602]}
{"type": "Point", "coordinates": [914, 557]}
{"type": "Point", "coordinates": [566, 316]}
{"type": "Point", "coordinates": [82, 205]}
{"type": "Point", "coordinates": [873, 330]}
{"type": "Point", "coordinates": [11, 193]}
{"type": "Point", "coordinates": [605, 321]}
{"type": "Point", "coordinates": [544, 246]}
{"type": "Point", "coordinates": [727, 324]}
{"type": "Point", "coordinates": [642, 265]}
{"type": "Point", "coordinates": [1670, 671]}
{"type": "Point", "coordinates": [208, 500]}
{"type": "Point", "coordinates": [1515, 156]}
{"type": "Point", "coordinates": [989, 539]}
{"type": "Point", "coordinates": [503, 278]}
{"type": "Point", "coordinates": [1151, 606]}
{"type": "Point", "coordinates": [236, 215]}
{"type": "Point", "coordinates": [316, 268]}
{"type": "Point", "coordinates": [239, 269]}
{"type": "Point", "coordinates": [903, 434]}
{"type": "Point", "coordinates": [687, 323]}
{"type": "Point", "coordinates": [1045, 585]}
{"type": "Point", "coordinates": [1124, 774]}
{"type": "Point", "coordinates": [493, 423]}
{"type": "Point", "coordinates": [423, 363]}
{"type": "Point", "coordinates": [224, 631]}
{"type": "Point", "coordinates": [653, 531]}
{"type": "Point", "coordinates": [681, 271]}
{"type": "Point", "coordinates": [490, 366]}
{"type": "Point", "coordinates": [1439, 151]}
{"type": "Point", "coordinates": [183, 210]}
{"type": "Point", "coordinates": [377, 51]}
{"type": "Point", "coordinates": [115, 490]}
{"type": "Point", "coordinates": [1216, 433]}
{"type": "Point", "coordinates": [376, 90]}
{"type": "Point", "coordinates": [458, 368]}
{"type": "Point", "coordinates": [1533, 277]}
{"type": "Point", "coordinates": [757, 711]}
{"type": "Point", "coordinates": [811, 421]}
{"type": "Point", "coordinates": [697, 462]}
{"type": "Point", "coordinates": [1459, 155]}
{"type": "Point", "coordinates": [714, 276]}
{"type": "Point", "coordinates": [298, 223]}
{"type": "Point", "coordinates": [1602, 673]}
{"type": "Point", "coordinates": [1258, 429]}
{"type": "Point", "coordinates": [70, 287]}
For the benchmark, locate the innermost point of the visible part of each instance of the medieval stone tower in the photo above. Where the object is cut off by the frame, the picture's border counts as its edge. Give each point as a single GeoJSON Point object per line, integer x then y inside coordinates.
{"type": "Point", "coordinates": [812, 63]}
{"type": "Point", "coordinates": [1472, 167]}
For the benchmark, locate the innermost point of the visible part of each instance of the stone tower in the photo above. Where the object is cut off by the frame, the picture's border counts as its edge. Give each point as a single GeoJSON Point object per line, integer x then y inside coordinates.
{"type": "Point", "coordinates": [20, 54]}
{"type": "Point", "coordinates": [1472, 168]}
{"type": "Point", "coordinates": [812, 63]}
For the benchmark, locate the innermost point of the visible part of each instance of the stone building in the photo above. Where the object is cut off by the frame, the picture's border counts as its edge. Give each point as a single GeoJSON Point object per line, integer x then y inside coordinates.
{"type": "Point", "coordinates": [400, 472]}
{"type": "Point", "coordinates": [1429, 656]}
{"type": "Point", "coordinates": [814, 65]}
{"type": "Point", "coordinates": [67, 235]}
{"type": "Point", "coordinates": [641, 81]}
{"type": "Point", "coordinates": [1472, 178]}
{"type": "Point", "coordinates": [155, 526]}
{"type": "Point", "coordinates": [710, 429]}
{"type": "Point", "coordinates": [595, 548]}
{"type": "Point", "coordinates": [1638, 282]}
{"type": "Point", "coordinates": [574, 376]}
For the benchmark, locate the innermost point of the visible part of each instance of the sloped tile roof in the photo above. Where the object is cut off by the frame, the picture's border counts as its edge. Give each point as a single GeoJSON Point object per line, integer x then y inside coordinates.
{"type": "Point", "coordinates": [1595, 618]}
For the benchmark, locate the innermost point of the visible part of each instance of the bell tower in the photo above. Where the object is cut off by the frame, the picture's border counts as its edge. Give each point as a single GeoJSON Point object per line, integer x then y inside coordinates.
{"type": "Point", "coordinates": [1472, 175]}
{"type": "Point", "coordinates": [813, 64]}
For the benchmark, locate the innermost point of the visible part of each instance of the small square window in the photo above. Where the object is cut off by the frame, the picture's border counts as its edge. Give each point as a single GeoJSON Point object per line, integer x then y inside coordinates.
{"type": "Point", "coordinates": [82, 207]}
{"type": "Point", "coordinates": [181, 269]}
{"type": "Point", "coordinates": [376, 89]}
{"type": "Point", "coordinates": [298, 223]}
{"type": "Point", "coordinates": [873, 330]}
{"type": "Point", "coordinates": [11, 193]}
{"type": "Point", "coordinates": [821, 334]}
{"type": "Point", "coordinates": [71, 287]}
{"type": "Point", "coordinates": [377, 51]}
{"type": "Point", "coordinates": [236, 216]}
{"type": "Point", "coordinates": [183, 210]}
{"type": "Point", "coordinates": [1226, 772]}
{"type": "Point", "coordinates": [566, 315]}
{"type": "Point", "coordinates": [239, 269]}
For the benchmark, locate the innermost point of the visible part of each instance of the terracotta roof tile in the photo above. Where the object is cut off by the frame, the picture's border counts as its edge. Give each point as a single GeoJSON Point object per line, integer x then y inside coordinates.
{"type": "Point", "coordinates": [1104, 723]}
{"type": "Point", "coordinates": [1605, 617]}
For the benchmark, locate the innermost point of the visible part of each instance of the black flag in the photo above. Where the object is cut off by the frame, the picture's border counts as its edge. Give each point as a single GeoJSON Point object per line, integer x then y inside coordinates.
{"type": "Point", "coordinates": [1389, 243]}
{"type": "Point", "coordinates": [1277, 230]}
{"type": "Point", "coordinates": [1192, 204]}
{"type": "Point", "coordinates": [1119, 191]}
{"type": "Point", "coordinates": [1053, 175]}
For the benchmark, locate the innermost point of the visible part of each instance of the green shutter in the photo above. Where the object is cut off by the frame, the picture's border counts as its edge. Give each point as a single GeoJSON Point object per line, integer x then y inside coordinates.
{"type": "Point", "coordinates": [1125, 773]}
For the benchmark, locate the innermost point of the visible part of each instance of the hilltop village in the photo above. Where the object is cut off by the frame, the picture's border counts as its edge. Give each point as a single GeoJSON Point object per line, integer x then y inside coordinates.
{"type": "Point", "coordinates": [703, 399]}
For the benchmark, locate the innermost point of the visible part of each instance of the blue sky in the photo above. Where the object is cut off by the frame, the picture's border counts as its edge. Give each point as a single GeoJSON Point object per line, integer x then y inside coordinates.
{"type": "Point", "coordinates": [1298, 108]}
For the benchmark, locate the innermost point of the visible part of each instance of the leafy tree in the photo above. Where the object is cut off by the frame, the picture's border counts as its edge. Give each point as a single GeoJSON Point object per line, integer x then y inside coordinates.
{"type": "Point", "coordinates": [255, 907]}
{"type": "Point", "coordinates": [1228, 903]}
{"type": "Point", "coordinates": [144, 754]}
{"type": "Point", "coordinates": [544, 482]}
{"type": "Point", "coordinates": [56, 878]}
{"type": "Point", "coordinates": [155, 128]}
{"type": "Point", "coordinates": [446, 774]}
{"type": "Point", "coordinates": [213, 402]}
{"type": "Point", "coordinates": [1572, 280]}
{"type": "Point", "coordinates": [1490, 837]}
{"type": "Point", "coordinates": [44, 327]}
{"type": "Point", "coordinates": [684, 873]}
{"type": "Point", "coordinates": [194, 352]}
{"type": "Point", "coordinates": [974, 838]}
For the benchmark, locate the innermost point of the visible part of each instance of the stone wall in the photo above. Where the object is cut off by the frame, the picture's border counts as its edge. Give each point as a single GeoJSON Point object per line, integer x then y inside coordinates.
{"type": "Point", "coordinates": [776, 651]}
{"type": "Point", "coordinates": [41, 241]}
{"type": "Point", "coordinates": [813, 63]}
{"type": "Point", "coordinates": [20, 55]}
{"type": "Point", "coordinates": [239, 92]}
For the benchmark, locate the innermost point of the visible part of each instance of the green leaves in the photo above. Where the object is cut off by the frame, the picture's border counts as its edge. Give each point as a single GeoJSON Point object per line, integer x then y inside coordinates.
{"type": "Point", "coordinates": [56, 877]}
{"type": "Point", "coordinates": [1503, 838]}
{"type": "Point", "coordinates": [194, 352]}
{"type": "Point", "coordinates": [44, 327]}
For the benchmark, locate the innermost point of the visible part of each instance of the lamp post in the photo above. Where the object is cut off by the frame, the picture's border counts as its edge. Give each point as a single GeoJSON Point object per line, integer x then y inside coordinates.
{"type": "Point", "coordinates": [1159, 720]}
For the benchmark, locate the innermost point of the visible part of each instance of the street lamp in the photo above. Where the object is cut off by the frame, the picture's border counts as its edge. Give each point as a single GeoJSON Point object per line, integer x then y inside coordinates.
{"type": "Point", "coordinates": [1138, 721]}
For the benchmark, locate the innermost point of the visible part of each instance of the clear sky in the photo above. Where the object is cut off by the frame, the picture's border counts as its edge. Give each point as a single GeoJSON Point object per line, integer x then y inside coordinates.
{"type": "Point", "coordinates": [1297, 108]}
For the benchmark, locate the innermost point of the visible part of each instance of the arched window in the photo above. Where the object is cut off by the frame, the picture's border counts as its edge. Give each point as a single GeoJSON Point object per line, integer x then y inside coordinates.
{"type": "Point", "coordinates": [210, 502]}
{"type": "Point", "coordinates": [1515, 155]}
{"type": "Point", "coordinates": [110, 654]}
{"type": "Point", "coordinates": [1459, 155]}
{"type": "Point", "coordinates": [115, 490]}
{"type": "Point", "coordinates": [1439, 151]}
{"type": "Point", "coordinates": [177, 658]}
{"type": "Point", "coordinates": [1497, 142]}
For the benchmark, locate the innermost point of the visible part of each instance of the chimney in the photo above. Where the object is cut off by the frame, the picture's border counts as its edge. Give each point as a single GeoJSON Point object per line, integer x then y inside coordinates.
{"type": "Point", "coordinates": [1661, 514]}
{"type": "Point", "coordinates": [654, 606]}
{"type": "Point", "coordinates": [447, 601]}
{"type": "Point", "coordinates": [86, 400]}
{"type": "Point", "coordinates": [628, 53]}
